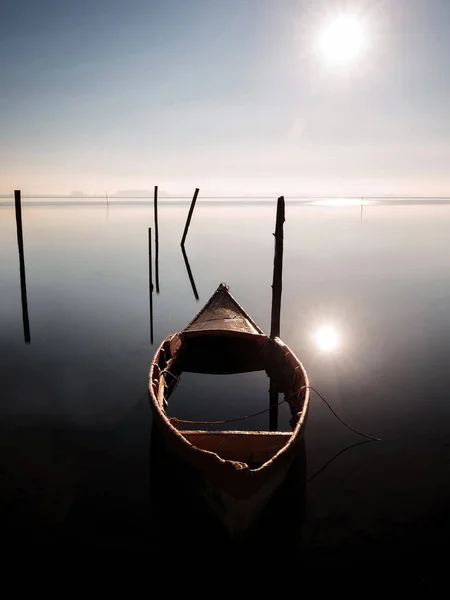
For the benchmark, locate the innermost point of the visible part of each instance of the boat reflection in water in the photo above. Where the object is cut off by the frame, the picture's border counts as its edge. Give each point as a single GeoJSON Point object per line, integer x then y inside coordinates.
{"type": "Point", "coordinates": [179, 509]}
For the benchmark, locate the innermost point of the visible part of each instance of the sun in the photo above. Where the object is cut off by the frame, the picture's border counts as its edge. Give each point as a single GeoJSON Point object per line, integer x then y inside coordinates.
{"type": "Point", "coordinates": [342, 41]}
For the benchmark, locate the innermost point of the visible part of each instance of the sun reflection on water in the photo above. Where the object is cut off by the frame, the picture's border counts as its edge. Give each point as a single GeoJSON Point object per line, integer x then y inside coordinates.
{"type": "Point", "coordinates": [341, 202]}
{"type": "Point", "coordinates": [327, 338]}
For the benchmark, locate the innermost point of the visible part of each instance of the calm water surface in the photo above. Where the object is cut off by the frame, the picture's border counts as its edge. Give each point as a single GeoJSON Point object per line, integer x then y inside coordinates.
{"type": "Point", "coordinates": [366, 307]}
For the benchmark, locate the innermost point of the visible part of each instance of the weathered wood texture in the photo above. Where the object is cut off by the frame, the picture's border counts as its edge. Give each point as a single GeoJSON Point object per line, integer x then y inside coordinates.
{"type": "Point", "coordinates": [255, 447]}
{"type": "Point", "coordinates": [222, 312]}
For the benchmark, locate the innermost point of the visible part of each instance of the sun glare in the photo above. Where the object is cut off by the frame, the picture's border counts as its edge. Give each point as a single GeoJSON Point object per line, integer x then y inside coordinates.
{"type": "Point", "coordinates": [342, 41]}
{"type": "Point", "coordinates": [327, 338]}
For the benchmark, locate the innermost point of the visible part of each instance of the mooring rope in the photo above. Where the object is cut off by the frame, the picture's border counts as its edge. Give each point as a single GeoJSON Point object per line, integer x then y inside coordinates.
{"type": "Point", "coordinates": [369, 437]}
{"type": "Point", "coordinates": [175, 420]}
{"type": "Point", "coordinates": [322, 468]}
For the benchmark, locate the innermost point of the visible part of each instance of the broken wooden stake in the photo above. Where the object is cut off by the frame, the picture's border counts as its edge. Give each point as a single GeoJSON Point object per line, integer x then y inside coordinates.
{"type": "Point", "coordinates": [277, 271]}
{"type": "Point", "coordinates": [189, 217]}
{"type": "Point", "coordinates": [155, 204]}
{"type": "Point", "coordinates": [276, 306]}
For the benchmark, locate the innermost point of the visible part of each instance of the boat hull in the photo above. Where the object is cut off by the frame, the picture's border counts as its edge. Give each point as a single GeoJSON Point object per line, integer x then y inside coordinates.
{"type": "Point", "coordinates": [236, 472]}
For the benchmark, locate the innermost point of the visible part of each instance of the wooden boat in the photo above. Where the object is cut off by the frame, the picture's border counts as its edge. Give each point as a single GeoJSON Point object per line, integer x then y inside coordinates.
{"type": "Point", "coordinates": [237, 472]}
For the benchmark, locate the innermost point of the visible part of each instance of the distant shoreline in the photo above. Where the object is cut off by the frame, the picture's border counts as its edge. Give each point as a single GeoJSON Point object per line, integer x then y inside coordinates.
{"type": "Point", "coordinates": [317, 201]}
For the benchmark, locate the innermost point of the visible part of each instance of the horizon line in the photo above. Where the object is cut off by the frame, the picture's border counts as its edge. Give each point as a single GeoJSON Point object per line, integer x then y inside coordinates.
{"type": "Point", "coordinates": [231, 196]}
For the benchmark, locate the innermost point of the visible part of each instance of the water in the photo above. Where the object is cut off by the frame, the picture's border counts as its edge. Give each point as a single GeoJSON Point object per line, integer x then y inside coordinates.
{"type": "Point", "coordinates": [75, 422]}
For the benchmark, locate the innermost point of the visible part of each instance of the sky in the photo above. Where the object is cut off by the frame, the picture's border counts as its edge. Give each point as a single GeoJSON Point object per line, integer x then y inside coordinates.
{"type": "Point", "coordinates": [231, 96]}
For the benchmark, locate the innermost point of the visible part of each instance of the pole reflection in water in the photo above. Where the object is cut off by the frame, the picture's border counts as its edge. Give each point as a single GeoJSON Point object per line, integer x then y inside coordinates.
{"type": "Point", "coordinates": [189, 272]}
{"type": "Point", "coordinates": [23, 282]}
{"type": "Point", "coordinates": [150, 281]}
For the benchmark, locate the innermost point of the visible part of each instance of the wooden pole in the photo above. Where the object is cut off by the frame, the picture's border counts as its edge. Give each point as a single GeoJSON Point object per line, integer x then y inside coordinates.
{"type": "Point", "coordinates": [277, 270]}
{"type": "Point", "coordinates": [155, 205]}
{"type": "Point", "coordinates": [276, 306]}
{"type": "Point", "coordinates": [23, 282]}
{"type": "Point", "coordinates": [189, 217]}
{"type": "Point", "coordinates": [150, 282]}
{"type": "Point", "coordinates": [191, 277]}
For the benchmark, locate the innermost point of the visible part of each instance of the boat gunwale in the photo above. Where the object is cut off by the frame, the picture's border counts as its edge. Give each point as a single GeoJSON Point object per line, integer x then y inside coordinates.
{"type": "Point", "coordinates": [191, 448]}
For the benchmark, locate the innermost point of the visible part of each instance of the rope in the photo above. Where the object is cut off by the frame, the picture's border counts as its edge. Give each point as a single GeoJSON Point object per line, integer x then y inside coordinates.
{"type": "Point", "coordinates": [335, 456]}
{"type": "Point", "coordinates": [369, 437]}
{"type": "Point", "coordinates": [171, 374]}
{"type": "Point", "coordinates": [175, 420]}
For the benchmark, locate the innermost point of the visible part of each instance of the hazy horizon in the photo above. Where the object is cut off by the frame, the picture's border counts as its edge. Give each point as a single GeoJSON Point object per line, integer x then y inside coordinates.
{"type": "Point", "coordinates": [150, 196]}
{"type": "Point", "coordinates": [162, 194]}
{"type": "Point", "coordinates": [227, 96]}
